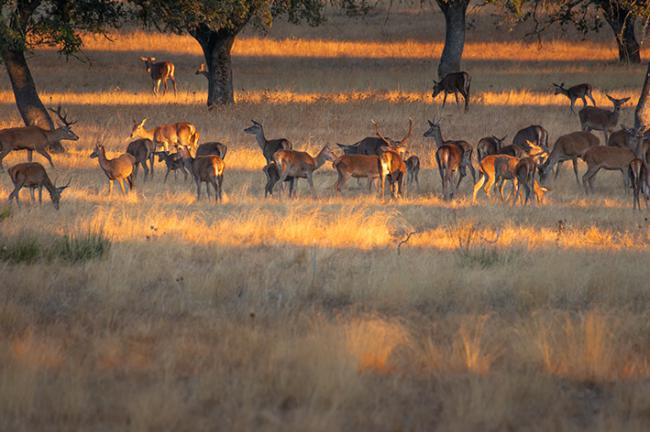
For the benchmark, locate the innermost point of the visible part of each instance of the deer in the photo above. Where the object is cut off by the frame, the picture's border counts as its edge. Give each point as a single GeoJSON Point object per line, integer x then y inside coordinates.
{"type": "Point", "coordinates": [268, 147]}
{"type": "Point", "coordinates": [569, 147]}
{"type": "Point", "coordinates": [451, 157]}
{"type": "Point", "coordinates": [167, 135]}
{"type": "Point", "coordinates": [455, 82]}
{"type": "Point", "coordinates": [174, 162]}
{"type": "Point", "coordinates": [575, 92]}
{"type": "Point", "coordinates": [525, 175]}
{"type": "Point", "coordinates": [160, 72]}
{"type": "Point", "coordinates": [298, 164]}
{"type": "Point", "coordinates": [37, 139]}
{"type": "Point", "coordinates": [534, 133]}
{"type": "Point", "coordinates": [392, 168]}
{"type": "Point", "coordinates": [202, 70]}
{"type": "Point", "coordinates": [607, 158]}
{"type": "Point", "coordinates": [208, 170]}
{"type": "Point", "coordinates": [143, 151]}
{"type": "Point", "coordinates": [413, 171]}
{"type": "Point", "coordinates": [119, 169]}
{"type": "Point", "coordinates": [357, 166]}
{"type": "Point", "coordinates": [272, 177]}
{"type": "Point", "coordinates": [34, 176]}
{"type": "Point", "coordinates": [489, 145]}
{"type": "Point", "coordinates": [373, 145]}
{"type": "Point", "coordinates": [638, 173]}
{"type": "Point", "coordinates": [212, 148]}
{"type": "Point", "coordinates": [592, 118]}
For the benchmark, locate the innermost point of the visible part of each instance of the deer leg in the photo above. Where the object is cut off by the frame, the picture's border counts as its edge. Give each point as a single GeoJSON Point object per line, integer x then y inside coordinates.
{"type": "Point", "coordinates": [456, 96]}
{"type": "Point", "coordinates": [592, 99]}
{"type": "Point", "coordinates": [46, 155]}
{"type": "Point", "coordinates": [477, 187]}
{"type": "Point", "coordinates": [207, 188]}
{"type": "Point", "coordinates": [466, 97]}
{"type": "Point", "coordinates": [164, 82]}
{"type": "Point", "coordinates": [557, 169]}
{"type": "Point", "coordinates": [16, 193]}
{"type": "Point", "coordinates": [121, 183]}
{"type": "Point", "coordinates": [573, 104]}
{"type": "Point", "coordinates": [587, 179]}
{"type": "Point", "coordinates": [110, 187]}
{"type": "Point", "coordinates": [575, 169]}
{"type": "Point", "coordinates": [135, 170]}
{"type": "Point", "coordinates": [40, 194]}
{"type": "Point", "coordinates": [417, 181]}
{"type": "Point", "coordinates": [151, 163]}
{"type": "Point", "coordinates": [3, 154]}
{"type": "Point", "coordinates": [198, 188]}
{"type": "Point", "coordinates": [30, 155]}
{"type": "Point", "coordinates": [167, 174]}
{"type": "Point", "coordinates": [444, 99]}
{"type": "Point", "coordinates": [311, 183]}
{"type": "Point", "coordinates": [340, 182]}
{"type": "Point", "coordinates": [173, 84]}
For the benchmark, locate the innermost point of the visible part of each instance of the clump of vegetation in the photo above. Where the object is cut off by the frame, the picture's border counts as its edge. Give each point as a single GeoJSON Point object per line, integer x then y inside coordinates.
{"type": "Point", "coordinates": [474, 250]}
{"type": "Point", "coordinates": [69, 248]}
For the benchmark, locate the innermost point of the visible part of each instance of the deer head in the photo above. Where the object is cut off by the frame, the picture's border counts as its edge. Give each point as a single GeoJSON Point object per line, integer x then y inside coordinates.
{"type": "Point", "coordinates": [618, 103]}
{"type": "Point", "coordinates": [56, 192]}
{"type": "Point", "coordinates": [254, 129]}
{"type": "Point", "coordinates": [148, 62]}
{"type": "Point", "coordinates": [437, 88]}
{"type": "Point", "coordinates": [64, 131]}
{"type": "Point", "coordinates": [559, 89]}
{"type": "Point", "coordinates": [138, 129]}
{"type": "Point", "coordinates": [201, 70]}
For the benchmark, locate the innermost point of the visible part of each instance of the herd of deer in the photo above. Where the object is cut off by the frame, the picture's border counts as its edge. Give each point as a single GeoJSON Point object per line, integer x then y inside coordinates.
{"type": "Point", "coordinates": [526, 163]}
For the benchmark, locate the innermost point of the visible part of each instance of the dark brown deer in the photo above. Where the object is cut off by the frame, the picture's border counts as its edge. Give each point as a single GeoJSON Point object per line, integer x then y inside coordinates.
{"type": "Point", "coordinates": [208, 170]}
{"type": "Point", "coordinates": [373, 145]}
{"type": "Point", "coordinates": [37, 139]}
{"type": "Point", "coordinates": [579, 91]}
{"type": "Point", "coordinates": [212, 148]}
{"type": "Point", "coordinates": [174, 163]}
{"type": "Point", "coordinates": [268, 147]}
{"type": "Point", "coordinates": [273, 176]}
{"type": "Point", "coordinates": [160, 72]}
{"type": "Point", "coordinates": [569, 147]}
{"type": "Point", "coordinates": [392, 168]}
{"type": "Point", "coordinates": [33, 176]}
{"type": "Point", "coordinates": [638, 172]}
{"type": "Point", "coordinates": [526, 177]}
{"type": "Point", "coordinates": [119, 169]}
{"type": "Point", "coordinates": [592, 118]}
{"type": "Point", "coordinates": [489, 145]}
{"type": "Point", "coordinates": [413, 171]}
{"type": "Point", "coordinates": [455, 82]}
{"type": "Point", "coordinates": [143, 151]}
{"type": "Point", "coordinates": [535, 134]}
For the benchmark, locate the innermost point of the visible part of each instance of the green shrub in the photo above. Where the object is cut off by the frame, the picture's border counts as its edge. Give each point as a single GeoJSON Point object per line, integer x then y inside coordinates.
{"type": "Point", "coordinates": [25, 249]}
{"type": "Point", "coordinates": [69, 248]}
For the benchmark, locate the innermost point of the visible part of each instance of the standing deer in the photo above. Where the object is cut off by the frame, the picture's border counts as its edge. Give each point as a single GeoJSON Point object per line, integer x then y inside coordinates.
{"type": "Point", "coordinates": [525, 175]}
{"type": "Point", "coordinates": [160, 72]}
{"type": "Point", "coordinates": [174, 162]}
{"type": "Point", "coordinates": [142, 151]}
{"type": "Point", "coordinates": [37, 139]}
{"type": "Point", "coordinates": [167, 135]}
{"type": "Point", "coordinates": [535, 134]}
{"type": "Point", "coordinates": [574, 93]}
{"type": "Point", "coordinates": [489, 145]}
{"type": "Point", "coordinates": [202, 70]}
{"type": "Point", "coordinates": [455, 82]}
{"type": "Point", "coordinates": [569, 147]}
{"type": "Point", "coordinates": [638, 172]}
{"type": "Point", "coordinates": [413, 171]}
{"type": "Point", "coordinates": [607, 158]}
{"type": "Point", "coordinates": [392, 168]}
{"type": "Point", "coordinates": [357, 166]}
{"type": "Point", "coordinates": [33, 176]}
{"type": "Point", "coordinates": [208, 170]}
{"type": "Point", "coordinates": [297, 164]}
{"type": "Point", "coordinates": [273, 176]}
{"type": "Point", "coordinates": [592, 118]}
{"type": "Point", "coordinates": [119, 169]}
{"type": "Point", "coordinates": [212, 148]}
{"type": "Point", "coordinates": [373, 145]}
{"type": "Point", "coordinates": [268, 147]}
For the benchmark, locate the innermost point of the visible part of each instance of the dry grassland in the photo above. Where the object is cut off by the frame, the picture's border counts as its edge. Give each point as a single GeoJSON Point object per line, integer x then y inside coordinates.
{"type": "Point", "coordinates": [301, 314]}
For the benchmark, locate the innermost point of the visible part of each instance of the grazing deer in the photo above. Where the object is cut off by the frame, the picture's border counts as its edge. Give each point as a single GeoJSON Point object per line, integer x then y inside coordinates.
{"type": "Point", "coordinates": [373, 145]}
{"type": "Point", "coordinates": [451, 157]}
{"type": "Point", "coordinates": [202, 70]}
{"type": "Point", "coordinates": [575, 92]}
{"type": "Point", "coordinates": [298, 164]}
{"type": "Point", "coordinates": [455, 82]}
{"type": "Point", "coordinates": [489, 145]}
{"type": "Point", "coordinates": [592, 118]}
{"type": "Point", "coordinates": [174, 162]}
{"type": "Point", "coordinates": [569, 147]}
{"type": "Point", "coordinates": [638, 172]}
{"type": "Point", "coordinates": [534, 133]}
{"type": "Point", "coordinates": [33, 176]}
{"type": "Point", "coordinates": [160, 72]}
{"type": "Point", "coordinates": [525, 174]}
{"type": "Point", "coordinates": [607, 158]}
{"type": "Point", "coordinates": [268, 147]}
{"type": "Point", "coordinates": [208, 170]}
{"type": "Point", "coordinates": [212, 148]}
{"type": "Point", "coordinates": [413, 171]}
{"type": "Point", "coordinates": [143, 151]}
{"type": "Point", "coordinates": [392, 168]}
{"type": "Point", "coordinates": [167, 135]}
{"type": "Point", "coordinates": [119, 169]}
{"type": "Point", "coordinates": [273, 176]}
{"type": "Point", "coordinates": [37, 139]}
{"type": "Point", "coordinates": [357, 166]}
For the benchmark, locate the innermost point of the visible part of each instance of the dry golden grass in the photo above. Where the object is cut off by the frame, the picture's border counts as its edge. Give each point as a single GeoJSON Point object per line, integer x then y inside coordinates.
{"type": "Point", "coordinates": [303, 314]}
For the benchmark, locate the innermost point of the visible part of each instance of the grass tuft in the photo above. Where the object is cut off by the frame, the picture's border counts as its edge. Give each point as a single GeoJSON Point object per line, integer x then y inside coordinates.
{"type": "Point", "coordinates": [28, 249]}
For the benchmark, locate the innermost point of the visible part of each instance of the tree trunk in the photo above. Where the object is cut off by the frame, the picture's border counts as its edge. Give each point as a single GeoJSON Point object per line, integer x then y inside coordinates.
{"type": "Point", "coordinates": [642, 113]}
{"type": "Point", "coordinates": [217, 46]}
{"type": "Point", "coordinates": [622, 20]}
{"type": "Point", "coordinates": [29, 104]}
{"type": "Point", "coordinates": [454, 11]}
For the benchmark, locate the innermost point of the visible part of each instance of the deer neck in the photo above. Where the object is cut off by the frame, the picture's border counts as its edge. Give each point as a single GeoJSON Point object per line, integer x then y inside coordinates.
{"type": "Point", "coordinates": [437, 136]}
{"type": "Point", "coordinates": [47, 183]}
{"type": "Point", "coordinates": [261, 139]}
{"type": "Point", "coordinates": [103, 161]}
{"type": "Point", "coordinates": [146, 133]}
{"type": "Point", "coordinates": [53, 136]}
{"type": "Point", "coordinates": [320, 159]}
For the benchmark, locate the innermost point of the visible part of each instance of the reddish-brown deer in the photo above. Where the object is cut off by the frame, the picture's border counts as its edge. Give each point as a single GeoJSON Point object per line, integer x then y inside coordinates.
{"type": "Point", "coordinates": [168, 135]}
{"type": "Point", "coordinates": [298, 164]}
{"type": "Point", "coordinates": [119, 169]}
{"type": "Point", "coordinates": [356, 166]}
{"type": "Point", "coordinates": [579, 91]}
{"type": "Point", "coordinates": [393, 169]}
{"type": "Point", "coordinates": [160, 72]}
{"type": "Point", "coordinates": [33, 176]}
{"type": "Point", "coordinates": [592, 118]}
{"type": "Point", "coordinates": [607, 158]}
{"type": "Point", "coordinates": [569, 147]}
{"type": "Point", "coordinates": [208, 170]}
{"type": "Point", "coordinates": [37, 139]}
{"type": "Point", "coordinates": [455, 82]}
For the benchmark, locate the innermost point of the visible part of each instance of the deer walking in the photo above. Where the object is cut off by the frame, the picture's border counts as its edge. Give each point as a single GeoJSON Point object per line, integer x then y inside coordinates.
{"type": "Point", "coordinates": [33, 176]}
{"type": "Point", "coordinates": [298, 164]}
{"type": "Point", "coordinates": [37, 139]}
{"type": "Point", "coordinates": [160, 72]}
{"type": "Point", "coordinates": [142, 151]}
{"type": "Point", "coordinates": [638, 172]}
{"type": "Point", "coordinates": [579, 91]}
{"type": "Point", "coordinates": [168, 135]}
{"type": "Point", "coordinates": [607, 158]}
{"type": "Point", "coordinates": [119, 169]}
{"type": "Point", "coordinates": [268, 147]}
{"type": "Point", "coordinates": [569, 147]}
{"type": "Point", "coordinates": [455, 82]}
{"type": "Point", "coordinates": [592, 118]}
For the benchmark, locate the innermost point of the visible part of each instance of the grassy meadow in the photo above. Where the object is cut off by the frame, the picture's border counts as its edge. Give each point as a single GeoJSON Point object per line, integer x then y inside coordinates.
{"type": "Point", "coordinates": [153, 311]}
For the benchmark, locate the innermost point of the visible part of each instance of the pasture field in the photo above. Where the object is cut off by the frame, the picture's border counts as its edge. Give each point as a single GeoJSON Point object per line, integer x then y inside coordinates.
{"type": "Point", "coordinates": [279, 314]}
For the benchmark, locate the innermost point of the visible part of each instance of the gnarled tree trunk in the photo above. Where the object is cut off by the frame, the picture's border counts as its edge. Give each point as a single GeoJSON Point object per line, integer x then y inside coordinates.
{"type": "Point", "coordinates": [217, 46]}
{"type": "Point", "coordinates": [29, 104]}
{"type": "Point", "coordinates": [622, 20]}
{"type": "Point", "coordinates": [642, 114]}
{"type": "Point", "coordinates": [452, 53]}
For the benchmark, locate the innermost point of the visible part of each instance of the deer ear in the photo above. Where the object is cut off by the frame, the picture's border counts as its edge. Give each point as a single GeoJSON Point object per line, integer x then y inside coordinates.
{"type": "Point", "coordinates": [153, 59]}
{"type": "Point", "coordinates": [430, 122]}
{"type": "Point", "coordinates": [144, 59]}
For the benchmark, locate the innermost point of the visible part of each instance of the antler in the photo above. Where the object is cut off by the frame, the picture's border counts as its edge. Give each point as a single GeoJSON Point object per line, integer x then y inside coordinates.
{"type": "Point", "coordinates": [62, 116]}
{"type": "Point", "coordinates": [388, 143]}
{"type": "Point", "coordinates": [408, 134]}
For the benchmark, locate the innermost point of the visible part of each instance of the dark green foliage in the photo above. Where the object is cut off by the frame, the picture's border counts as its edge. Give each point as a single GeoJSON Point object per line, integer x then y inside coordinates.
{"type": "Point", "coordinates": [28, 249]}
{"type": "Point", "coordinates": [74, 249]}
